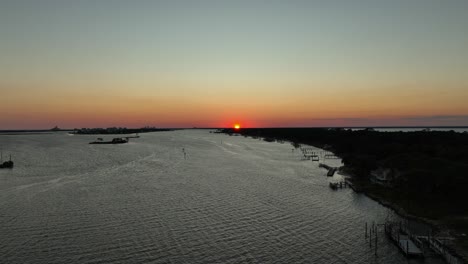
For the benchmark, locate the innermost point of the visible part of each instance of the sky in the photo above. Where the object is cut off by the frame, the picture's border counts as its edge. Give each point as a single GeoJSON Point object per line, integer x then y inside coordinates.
{"type": "Point", "coordinates": [102, 63]}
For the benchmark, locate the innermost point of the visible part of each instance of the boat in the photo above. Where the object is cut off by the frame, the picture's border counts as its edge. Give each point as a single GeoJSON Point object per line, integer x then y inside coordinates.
{"type": "Point", "coordinates": [7, 164]}
{"type": "Point", "coordinates": [113, 141]}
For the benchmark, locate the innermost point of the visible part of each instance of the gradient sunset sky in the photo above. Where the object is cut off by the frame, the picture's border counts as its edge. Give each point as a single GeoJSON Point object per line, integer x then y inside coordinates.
{"type": "Point", "coordinates": [215, 63]}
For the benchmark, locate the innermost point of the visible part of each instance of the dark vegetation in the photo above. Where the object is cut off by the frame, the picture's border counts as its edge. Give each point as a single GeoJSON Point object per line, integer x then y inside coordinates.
{"type": "Point", "coordinates": [432, 166]}
{"type": "Point", "coordinates": [116, 130]}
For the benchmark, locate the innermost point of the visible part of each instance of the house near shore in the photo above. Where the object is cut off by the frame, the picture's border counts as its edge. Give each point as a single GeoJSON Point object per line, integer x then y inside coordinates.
{"type": "Point", "coordinates": [384, 176]}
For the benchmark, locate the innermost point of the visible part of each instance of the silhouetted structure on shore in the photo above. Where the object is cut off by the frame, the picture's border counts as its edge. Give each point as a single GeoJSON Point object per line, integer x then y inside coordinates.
{"type": "Point", "coordinates": [116, 130]}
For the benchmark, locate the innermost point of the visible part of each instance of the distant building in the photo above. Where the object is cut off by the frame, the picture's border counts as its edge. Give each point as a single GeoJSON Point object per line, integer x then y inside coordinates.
{"type": "Point", "coordinates": [56, 128]}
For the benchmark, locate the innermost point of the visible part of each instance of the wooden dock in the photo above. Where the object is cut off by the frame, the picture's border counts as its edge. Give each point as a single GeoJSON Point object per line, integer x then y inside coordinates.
{"type": "Point", "coordinates": [330, 155]}
{"type": "Point", "coordinates": [315, 155]}
{"type": "Point", "coordinates": [331, 170]}
{"type": "Point", "coordinates": [412, 246]}
{"type": "Point", "coordinates": [336, 185]}
{"type": "Point", "coordinates": [436, 246]}
{"type": "Point", "coordinates": [408, 246]}
{"type": "Point", "coordinates": [310, 153]}
{"type": "Point", "coordinates": [404, 241]}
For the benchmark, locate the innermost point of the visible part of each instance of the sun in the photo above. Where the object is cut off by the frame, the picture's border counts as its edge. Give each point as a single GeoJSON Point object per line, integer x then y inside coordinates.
{"type": "Point", "coordinates": [236, 126]}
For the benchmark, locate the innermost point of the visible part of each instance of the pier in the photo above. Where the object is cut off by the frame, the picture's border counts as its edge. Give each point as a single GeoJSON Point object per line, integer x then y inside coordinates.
{"type": "Point", "coordinates": [412, 246]}
{"type": "Point", "coordinates": [404, 240]}
{"type": "Point", "coordinates": [331, 170]}
{"type": "Point", "coordinates": [314, 155]}
{"type": "Point", "coordinates": [436, 246]}
{"type": "Point", "coordinates": [336, 185]}
{"type": "Point", "coordinates": [330, 155]}
{"type": "Point", "coordinates": [310, 154]}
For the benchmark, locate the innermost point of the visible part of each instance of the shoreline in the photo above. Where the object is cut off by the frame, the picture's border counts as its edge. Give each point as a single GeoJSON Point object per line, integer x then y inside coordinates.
{"type": "Point", "coordinates": [391, 205]}
{"type": "Point", "coordinates": [361, 185]}
{"type": "Point", "coordinates": [438, 226]}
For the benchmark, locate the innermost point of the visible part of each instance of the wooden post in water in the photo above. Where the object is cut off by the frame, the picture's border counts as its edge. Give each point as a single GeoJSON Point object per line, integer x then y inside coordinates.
{"type": "Point", "coordinates": [376, 243]}
{"type": "Point", "coordinates": [366, 231]}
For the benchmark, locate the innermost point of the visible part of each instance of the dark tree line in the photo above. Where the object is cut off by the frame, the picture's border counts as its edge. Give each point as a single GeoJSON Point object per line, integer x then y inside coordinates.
{"type": "Point", "coordinates": [432, 165]}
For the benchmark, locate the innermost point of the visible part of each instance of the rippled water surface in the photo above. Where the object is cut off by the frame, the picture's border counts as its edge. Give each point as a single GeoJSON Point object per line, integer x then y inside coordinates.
{"type": "Point", "coordinates": [232, 200]}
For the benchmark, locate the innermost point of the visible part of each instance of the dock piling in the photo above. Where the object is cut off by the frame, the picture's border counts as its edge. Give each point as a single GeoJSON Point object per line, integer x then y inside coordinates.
{"type": "Point", "coordinates": [366, 231]}
{"type": "Point", "coordinates": [375, 243]}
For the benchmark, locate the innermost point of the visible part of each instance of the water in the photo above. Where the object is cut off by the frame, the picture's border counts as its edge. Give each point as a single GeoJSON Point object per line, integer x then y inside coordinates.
{"type": "Point", "coordinates": [233, 200]}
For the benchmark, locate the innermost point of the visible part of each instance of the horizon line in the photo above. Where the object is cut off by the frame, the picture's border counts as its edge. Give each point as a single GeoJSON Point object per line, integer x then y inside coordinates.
{"type": "Point", "coordinates": [194, 127]}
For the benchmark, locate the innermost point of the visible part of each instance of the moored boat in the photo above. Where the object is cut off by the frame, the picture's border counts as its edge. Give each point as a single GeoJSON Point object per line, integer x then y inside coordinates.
{"type": "Point", "coordinates": [6, 164]}
{"type": "Point", "coordinates": [113, 141]}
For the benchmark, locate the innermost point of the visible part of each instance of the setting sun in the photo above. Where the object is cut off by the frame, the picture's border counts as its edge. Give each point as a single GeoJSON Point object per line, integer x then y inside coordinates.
{"type": "Point", "coordinates": [236, 126]}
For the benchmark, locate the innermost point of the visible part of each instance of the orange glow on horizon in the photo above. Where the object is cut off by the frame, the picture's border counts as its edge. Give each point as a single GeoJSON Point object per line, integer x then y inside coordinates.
{"type": "Point", "coordinates": [236, 126]}
{"type": "Point", "coordinates": [33, 107]}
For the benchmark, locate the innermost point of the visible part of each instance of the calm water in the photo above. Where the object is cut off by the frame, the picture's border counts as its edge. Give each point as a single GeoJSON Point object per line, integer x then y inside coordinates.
{"type": "Point", "coordinates": [233, 200]}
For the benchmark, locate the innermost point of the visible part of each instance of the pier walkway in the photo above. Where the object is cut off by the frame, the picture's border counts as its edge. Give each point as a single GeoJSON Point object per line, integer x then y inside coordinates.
{"type": "Point", "coordinates": [408, 246]}
{"type": "Point", "coordinates": [404, 241]}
